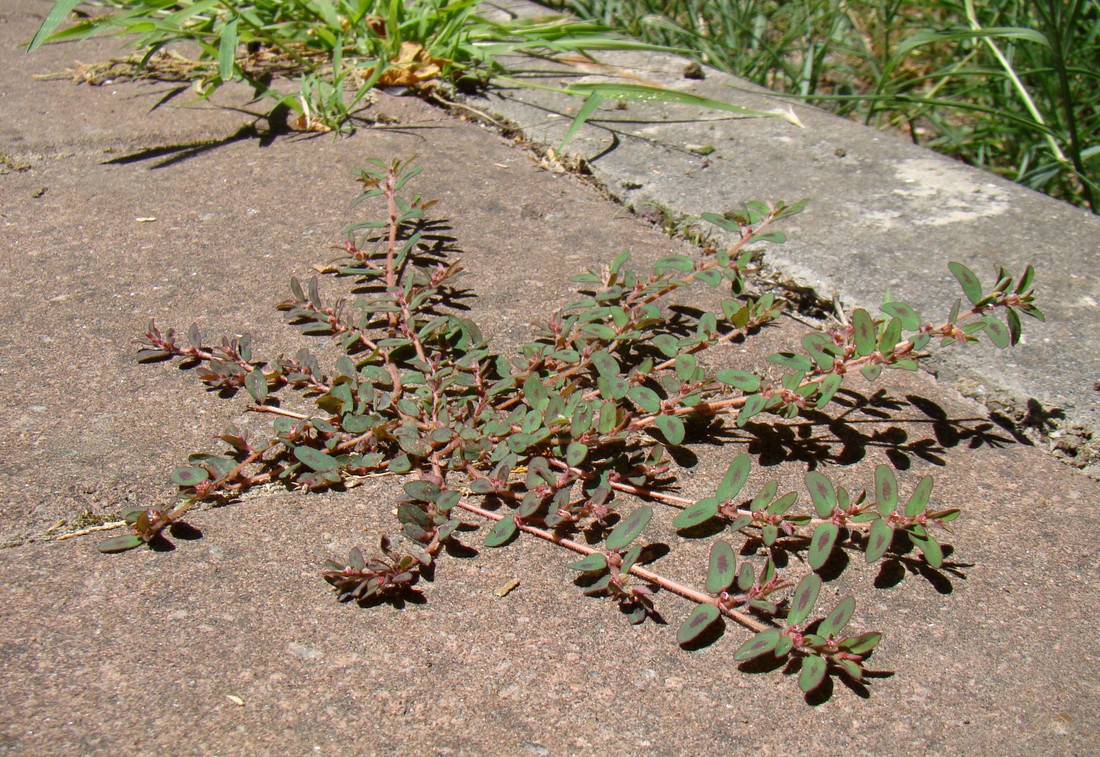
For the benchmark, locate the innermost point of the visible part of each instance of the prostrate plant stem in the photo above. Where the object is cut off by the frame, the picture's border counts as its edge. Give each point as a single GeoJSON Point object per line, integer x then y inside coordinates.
{"type": "Point", "coordinates": [549, 436]}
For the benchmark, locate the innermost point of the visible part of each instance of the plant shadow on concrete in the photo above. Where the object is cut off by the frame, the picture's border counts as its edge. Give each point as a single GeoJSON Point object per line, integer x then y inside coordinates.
{"type": "Point", "coordinates": [565, 439]}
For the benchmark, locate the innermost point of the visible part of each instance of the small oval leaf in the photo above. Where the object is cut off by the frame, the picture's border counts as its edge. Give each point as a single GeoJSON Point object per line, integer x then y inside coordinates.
{"type": "Point", "coordinates": [822, 492]}
{"type": "Point", "coordinates": [502, 533]}
{"type": "Point", "coordinates": [861, 644]}
{"type": "Point", "coordinates": [256, 384]}
{"type": "Point", "coordinates": [189, 476]}
{"type": "Point", "coordinates": [813, 673]}
{"type": "Point", "coordinates": [878, 540]}
{"type": "Point", "coordinates": [821, 544]}
{"type": "Point", "coordinates": [590, 563]}
{"type": "Point", "coordinates": [736, 475]}
{"type": "Point", "coordinates": [120, 544]}
{"type": "Point", "coordinates": [700, 619]}
{"type": "Point", "coordinates": [762, 643]}
{"type": "Point", "coordinates": [315, 458]}
{"type": "Point", "coordinates": [802, 601]}
{"type": "Point", "coordinates": [886, 489]}
{"type": "Point", "coordinates": [722, 568]}
{"type": "Point", "coordinates": [933, 553]}
{"type": "Point", "coordinates": [919, 499]}
{"type": "Point", "coordinates": [422, 491]}
{"type": "Point", "coordinates": [836, 620]}
{"type": "Point", "coordinates": [910, 321]}
{"type": "Point", "coordinates": [575, 454]}
{"type": "Point", "coordinates": [863, 327]}
{"type": "Point", "coordinates": [746, 382]}
{"type": "Point", "coordinates": [672, 427]}
{"type": "Point", "coordinates": [971, 285]}
{"type": "Point", "coordinates": [700, 512]}
{"type": "Point", "coordinates": [628, 530]}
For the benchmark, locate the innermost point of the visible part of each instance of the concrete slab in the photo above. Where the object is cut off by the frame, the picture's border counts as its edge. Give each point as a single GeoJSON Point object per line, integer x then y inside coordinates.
{"type": "Point", "coordinates": [884, 214]}
{"type": "Point", "coordinates": [232, 644]}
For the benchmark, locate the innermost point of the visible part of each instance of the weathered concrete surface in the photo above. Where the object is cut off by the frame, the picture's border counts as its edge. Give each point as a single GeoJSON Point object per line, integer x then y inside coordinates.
{"type": "Point", "coordinates": [140, 653]}
{"type": "Point", "coordinates": [884, 214]}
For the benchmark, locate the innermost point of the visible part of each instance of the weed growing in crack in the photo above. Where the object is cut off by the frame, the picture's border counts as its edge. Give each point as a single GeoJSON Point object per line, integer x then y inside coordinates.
{"type": "Point", "coordinates": [560, 440]}
{"type": "Point", "coordinates": [340, 50]}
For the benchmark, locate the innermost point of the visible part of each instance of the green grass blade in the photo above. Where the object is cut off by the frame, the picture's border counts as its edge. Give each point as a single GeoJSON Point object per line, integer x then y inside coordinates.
{"type": "Point", "coordinates": [583, 115]}
{"type": "Point", "coordinates": [227, 50]}
{"type": "Point", "coordinates": [57, 14]}
{"type": "Point", "coordinates": [624, 91]}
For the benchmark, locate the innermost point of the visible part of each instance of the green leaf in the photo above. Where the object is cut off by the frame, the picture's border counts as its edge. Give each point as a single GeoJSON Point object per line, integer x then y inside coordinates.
{"type": "Point", "coordinates": [686, 365]}
{"type": "Point", "coordinates": [672, 427]}
{"type": "Point", "coordinates": [820, 347]}
{"type": "Point", "coordinates": [631, 526]}
{"type": "Point", "coordinates": [575, 454]}
{"type": "Point", "coordinates": [878, 540]}
{"type": "Point", "coordinates": [422, 491]}
{"type": "Point", "coordinates": [736, 475]}
{"type": "Point", "coordinates": [945, 516]}
{"type": "Point", "coordinates": [821, 544]}
{"type": "Point", "coordinates": [783, 504]}
{"type": "Point", "coordinates": [835, 622]}
{"type": "Point", "coordinates": [598, 331]}
{"type": "Point", "coordinates": [871, 372]}
{"type": "Point", "coordinates": [227, 50]}
{"type": "Point", "coordinates": [927, 544]}
{"type": "Point", "coordinates": [919, 499]}
{"type": "Point", "coordinates": [700, 619]}
{"type": "Point", "coordinates": [590, 104]}
{"type": "Point", "coordinates": [609, 417]}
{"type": "Point", "coordinates": [189, 476]}
{"type": "Point", "coordinates": [997, 332]}
{"type": "Point", "coordinates": [791, 360]}
{"type": "Point", "coordinates": [803, 599]}
{"type": "Point", "coordinates": [827, 389]}
{"type": "Point", "coordinates": [861, 644]}
{"type": "Point", "coordinates": [910, 320]}
{"type": "Point", "coordinates": [754, 405]}
{"type": "Point", "coordinates": [722, 569]}
{"type": "Point", "coordinates": [120, 544]}
{"type": "Point", "coordinates": [618, 90]}
{"type": "Point", "coordinates": [863, 328]}
{"type": "Point", "coordinates": [746, 382]}
{"type": "Point", "coordinates": [886, 489]}
{"type": "Point", "coordinates": [971, 285]}
{"type": "Point", "coordinates": [315, 459]}
{"type": "Point", "coordinates": [1015, 328]}
{"type": "Point", "coordinates": [769, 533]}
{"type": "Point", "coordinates": [813, 673]}
{"type": "Point", "coordinates": [667, 344]}
{"type": "Point", "coordinates": [700, 512]}
{"type": "Point", "coordinates": [647, 399]}
{"type": "Point", "coordinates": [605, 364]}
{"type": "Point", "coordinates": [891, 335]}
{"type": "Point", "coordinates": [761, 644]}
{"type": "Point", "coordinates": [256, 384]}
{"type": "Point", "coordinates": [482, 486]}
{"type": "Point", "coordinates": [502, 533]}
{"type": "Point", "coordinates": [58, 13]}
{"type": "Point", "coordinates": [822, 493]}
{"type": "Point", "coordinates": [589, 564]}
{"type": "Point", "coordinates": [764, 496]}
{"type": "Point", "coordinates": [745, 577]}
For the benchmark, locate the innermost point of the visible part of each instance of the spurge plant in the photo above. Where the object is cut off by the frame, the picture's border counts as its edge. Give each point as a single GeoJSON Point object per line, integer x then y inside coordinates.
{"type": "Point", "coordinates": [561, 440]}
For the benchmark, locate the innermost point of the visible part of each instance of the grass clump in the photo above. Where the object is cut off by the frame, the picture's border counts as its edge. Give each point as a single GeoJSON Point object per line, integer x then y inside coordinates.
{"type": "Point", "coordinates": [339, 50]}
{"type": "Point", "coordinates": [1011, 86]}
